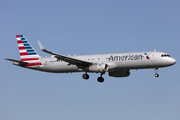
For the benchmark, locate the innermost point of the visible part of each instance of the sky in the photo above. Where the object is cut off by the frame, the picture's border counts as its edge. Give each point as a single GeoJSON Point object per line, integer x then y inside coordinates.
{"type": "Point", "coordinates": [89, 27]}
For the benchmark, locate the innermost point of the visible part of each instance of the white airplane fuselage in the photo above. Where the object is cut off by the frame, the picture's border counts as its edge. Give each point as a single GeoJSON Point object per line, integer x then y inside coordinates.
{"type": "Point", "coordinates": [115, 61]}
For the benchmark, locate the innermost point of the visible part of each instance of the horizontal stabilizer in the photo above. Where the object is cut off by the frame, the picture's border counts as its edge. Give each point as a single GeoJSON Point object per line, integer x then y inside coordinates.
{"type": "Point", "coordinates": [17, 62]}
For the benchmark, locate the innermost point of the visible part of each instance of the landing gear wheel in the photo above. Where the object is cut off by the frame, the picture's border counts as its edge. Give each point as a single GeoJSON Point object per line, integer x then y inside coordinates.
{"type": "Point", "coordinates": [156, 70]}
{"type": "Point", "coordinates": [156, 75]}
{"type": "Point", "coordinates": [100, 79]}
{"type": "Point", "coordinates": [85, 76]}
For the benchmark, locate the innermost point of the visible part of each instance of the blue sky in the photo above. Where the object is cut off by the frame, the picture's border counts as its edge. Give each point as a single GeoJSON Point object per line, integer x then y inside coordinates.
{"type": "Point", "coordinates": [90, 27]}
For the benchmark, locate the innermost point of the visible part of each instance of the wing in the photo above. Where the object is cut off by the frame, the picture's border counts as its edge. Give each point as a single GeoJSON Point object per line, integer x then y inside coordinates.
{"type": "Point", "coordinates": [72, 61]}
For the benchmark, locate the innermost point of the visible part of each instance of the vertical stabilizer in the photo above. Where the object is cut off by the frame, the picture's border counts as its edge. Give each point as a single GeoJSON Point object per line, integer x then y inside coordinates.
{"type": "Point", "coordinates": [27, 52]}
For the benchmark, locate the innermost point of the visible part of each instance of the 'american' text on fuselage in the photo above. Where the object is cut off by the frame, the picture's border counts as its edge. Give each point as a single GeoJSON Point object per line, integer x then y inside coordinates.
{"type": "Point", "coordinates": [125, 57]}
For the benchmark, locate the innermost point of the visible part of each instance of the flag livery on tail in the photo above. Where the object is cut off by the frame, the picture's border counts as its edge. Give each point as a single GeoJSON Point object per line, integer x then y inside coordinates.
{"type": "Point", "coordinates": [27, 52]}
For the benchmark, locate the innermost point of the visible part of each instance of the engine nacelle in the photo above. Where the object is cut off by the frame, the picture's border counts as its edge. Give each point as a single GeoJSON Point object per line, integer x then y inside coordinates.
{"type": "Point", "coordinates": [120, 73]}
{"type": "Point", "coordinates": [98, 68]}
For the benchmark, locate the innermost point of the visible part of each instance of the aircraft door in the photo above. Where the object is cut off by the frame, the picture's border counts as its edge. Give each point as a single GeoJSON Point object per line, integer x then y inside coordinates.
{"type": "Point", "coordinates": [153, 56]}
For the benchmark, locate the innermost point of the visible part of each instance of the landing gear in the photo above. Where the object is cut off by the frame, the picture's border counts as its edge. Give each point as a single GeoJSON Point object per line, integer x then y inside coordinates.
{"type": "Point", "coordinates": [100, 79]}
{"type": "Point", "coordinates": [156, 70]}
{"type": "Point", "coordinates": [85, 76]}
{"type": "Point", "coordinates": [156, 75]}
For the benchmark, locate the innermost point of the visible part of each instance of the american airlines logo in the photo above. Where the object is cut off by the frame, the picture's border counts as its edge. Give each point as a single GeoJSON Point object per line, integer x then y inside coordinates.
{"type": "Point", "coordinates": [147, 57]}
{"type": "Point", "coordinates": [125, 57]}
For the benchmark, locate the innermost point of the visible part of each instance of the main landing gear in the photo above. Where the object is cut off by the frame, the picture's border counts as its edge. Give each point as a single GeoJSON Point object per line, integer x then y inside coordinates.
{"type": "Point", "coordinates": [156, 70]}
{"type": "Point", "coordinates": [85, 76]}
{"type": "Point", "coordinates": [99, 79]}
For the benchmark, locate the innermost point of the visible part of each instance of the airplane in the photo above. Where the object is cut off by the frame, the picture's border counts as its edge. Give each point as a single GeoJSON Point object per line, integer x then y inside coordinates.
{"type": "Point", "coordinates": [116, 64]}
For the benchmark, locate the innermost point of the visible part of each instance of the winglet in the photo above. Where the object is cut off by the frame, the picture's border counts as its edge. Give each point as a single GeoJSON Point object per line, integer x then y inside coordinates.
{"type": "Point", "coordinates": [40, 45]}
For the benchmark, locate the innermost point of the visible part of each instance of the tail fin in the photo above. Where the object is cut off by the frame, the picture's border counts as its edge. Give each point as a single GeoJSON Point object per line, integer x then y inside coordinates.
{"type": "Point", "coordinates": [25, 49]}
{"type": "Point", "coordinates": [27, 52]}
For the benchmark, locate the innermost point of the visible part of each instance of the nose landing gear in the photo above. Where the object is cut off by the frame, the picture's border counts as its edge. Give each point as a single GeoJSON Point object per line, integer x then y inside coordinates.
{"type": "Point", "coordinates": [156, 70]}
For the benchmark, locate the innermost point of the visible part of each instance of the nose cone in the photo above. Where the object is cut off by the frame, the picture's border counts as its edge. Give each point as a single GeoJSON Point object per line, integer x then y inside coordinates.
{"type": "Point", "coordinates": [172, 61]}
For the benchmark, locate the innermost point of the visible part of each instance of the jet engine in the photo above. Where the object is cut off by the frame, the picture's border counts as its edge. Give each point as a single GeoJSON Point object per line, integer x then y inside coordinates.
{"type": "Point", "coordinates": [120, 73]}
{"type": "Point", "coordinates": [98, 68]}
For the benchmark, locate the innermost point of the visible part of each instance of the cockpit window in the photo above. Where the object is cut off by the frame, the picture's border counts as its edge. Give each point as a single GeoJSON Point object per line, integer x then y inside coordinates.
{"type": "Point", "coordinates": [165, 55]}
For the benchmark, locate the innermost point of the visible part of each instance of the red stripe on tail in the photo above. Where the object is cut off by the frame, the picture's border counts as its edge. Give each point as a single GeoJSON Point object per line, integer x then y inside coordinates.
{"type": "Point", "coordinates": [29, 59]}
{"type": "Point", "coordinates": [23, 53]}
{"type": "Point", "coordinates": [22, 48]}
{"type": "Point", "coordinates": [19, 42]}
